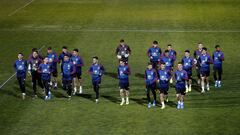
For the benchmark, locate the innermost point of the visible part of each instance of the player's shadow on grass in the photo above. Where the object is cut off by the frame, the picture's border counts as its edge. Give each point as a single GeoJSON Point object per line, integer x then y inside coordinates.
{"type": "Point", "coordinates": [141, 101]}
{"type": "Point", "coordinates": [11, 93]}
{"type": "Point", "coordinates": [171, 104]}
{"type": "Point", "coordinates": [111, 98]}
{"type": "Point", "coordinates": [139, 75]}
{"type": "Point", "coordinates": [86, 96]}
{"type": "Point", "coordinates": [111, 74]}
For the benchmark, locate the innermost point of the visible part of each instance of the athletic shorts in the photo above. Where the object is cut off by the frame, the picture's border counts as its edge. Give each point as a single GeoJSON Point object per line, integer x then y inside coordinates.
{"type": "Point", "coordinates": [55, 73]}
{"type": "Point", "coordinates": [124, 85]}
{"type": "Point", "coordinates": [204, 73]}
{"type": "Point", "coordinates": [180, 88]}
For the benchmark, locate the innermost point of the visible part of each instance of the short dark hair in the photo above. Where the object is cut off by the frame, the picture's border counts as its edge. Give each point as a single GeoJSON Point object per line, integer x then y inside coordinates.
{"type": "Point", "coordinates": [204, 48]}
{"type": "Point", "coordinates": [217, 46]}
{"type": "Point", "coordinates": [49, 48]}
{"type": "Point", "coordinates": [95, 57]}
{"type": "Point", "coordinates": [180, 63]}
{"type": "Point", "coordinates": [166, 51]}
{"type": "Point", "coordinates": [187, 51]}
{"type": "Point", "coordinates": [122, 40]}
{"type": "Point", "coordinates": [20, 53]}
{"type": "Point", "coordinates": [155, 42]}
{"type": "Point", "coordinates": [64, 47]}
{"type": "Point", "coordinates": [34, 49]}
{"type": "Point", "coordinates": [163, 63]}
{"type": "Point", "coordinates": [76, 50]}
{"type": "Point", "coordinates": [66, 55]}
{"type": "Point", "coordinates": [169, 45]}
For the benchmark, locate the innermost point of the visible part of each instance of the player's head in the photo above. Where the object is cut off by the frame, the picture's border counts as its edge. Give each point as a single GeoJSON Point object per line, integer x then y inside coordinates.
{"type": "Point", "coordinates": [75, 52]}
{"type": "Point", "coordinates": [155, 43]}
{"type": "Point", "coordinates": [180, 65]}
{"type": "Point", "coordinates": [35, 54]}
{"type": "Point", "coordinates": [20, 56]}
{"type": "Point", "coordinates": [95, 59]}
{"type": "Point", "coordinates": [64, 49]}
{"type": "Point", "coordinates": [200, 46]}
{"type": "Point", "coordinates": [49, 50]}
{"type": "Point", "coordinates": [66, 58]}
{"type": "Point", "coordinates": [122, 42]}
{"type": "Point", "coordinates": [169, 46]}
{"type": "Point", "coordinates": [45, 60]}
{"type": "Point", "coordinates": [121, 63]}
{"type": "Point", "coordinates": [217, 47]}
{"type": "Point", "coordinates": [166, 53]}
{"type": "Point", "coordinates": [204, 50]}
{"type": "Point", "coordinates": [162, 66]}
{"type": "Point", "coordinates": [34, 49]}
{"type": "Point", "coordinates": [149, 66]}
{"type": "Point", "coordinates": [187, 53]}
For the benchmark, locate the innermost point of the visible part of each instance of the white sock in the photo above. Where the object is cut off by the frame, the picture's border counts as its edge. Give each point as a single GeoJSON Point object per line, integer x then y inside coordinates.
{"type": "Point", "coordinates": [127, 99]}
{"type": "Point", "coordinates": [122, 99]}
{"type": "Point", "coordinates": [179, 102]}
{"type": "Point", "coordinates": [202, 88]}
{"type": "Point", "coordinates": [163, 104]}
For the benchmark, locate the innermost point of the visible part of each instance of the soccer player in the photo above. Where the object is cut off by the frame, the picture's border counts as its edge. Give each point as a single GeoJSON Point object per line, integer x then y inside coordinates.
{"type": "Point", "coordinates": [31, 55]}
{"type": "Point", "coordinates": [33, 64]}
{"type": "Point", "coordinates": [218, 58]}
{"type": "Point", "coordinates": [53, 60]}
{"type": "Point", "coordinates": [154, 54]}
{"type": "Point", "coordinates": [197, 54]}
{"type": "Point", "coordinates": [180, 77]}
{"type": "Point", "coordinates": [123, 51]}
{"type": "Point", "coordinates": [123, 76]}
{"type": "Point", "coordinates": [164, 77]}
{"type": "Point", "coordinates": [168, 60]}
{"type": "Point", "coordinates": [68, 69]}
{"type": "Point", "coordinates": [150, 80]}
{"type": "Point", "coordinates": [204, 61]}
{"type": "Point", "coordinates": [188, 63]}
{"type": "Point", "coordinates": [78, 63]}
{"type": "Point", "coordinates": [64, 53]}
{"type": "Point", "coordinates": [172, 53]}
{"type": "Point", "coordinates": [45, 70]}
{"type": "Point", "coordinates": [96, 70]}
{"type": "Point", "coordinates": [20, 66]}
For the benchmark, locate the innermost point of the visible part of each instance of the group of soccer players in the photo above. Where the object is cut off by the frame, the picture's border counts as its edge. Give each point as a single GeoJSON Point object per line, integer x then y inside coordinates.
{"type": "Point", "coordinates": [159, 73]}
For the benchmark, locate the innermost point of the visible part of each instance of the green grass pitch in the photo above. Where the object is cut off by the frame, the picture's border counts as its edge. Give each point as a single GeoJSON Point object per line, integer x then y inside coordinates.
{"type": "Point", "coordinates": [95, 28]}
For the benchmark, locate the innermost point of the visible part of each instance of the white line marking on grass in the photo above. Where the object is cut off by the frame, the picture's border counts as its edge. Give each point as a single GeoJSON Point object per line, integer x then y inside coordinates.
{"type": "Point", "coordinates": [121, 30]}
{"type": "Point", "coordinates": [20, 8]}
{"type": "Point", "coordinates": [10, 78]}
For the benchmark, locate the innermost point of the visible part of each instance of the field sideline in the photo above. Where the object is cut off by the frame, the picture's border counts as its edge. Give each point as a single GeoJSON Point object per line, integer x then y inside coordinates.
{"type": "Point", "coordinates": [95, 28]}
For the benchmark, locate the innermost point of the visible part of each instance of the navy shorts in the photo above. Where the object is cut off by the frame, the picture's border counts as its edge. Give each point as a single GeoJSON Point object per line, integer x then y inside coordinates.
{"type": "Point", "coordinates": [78, 75]}
{"type": "Point", "coordinates": [204, 73]}
{"type": "Point", "coordinates": [180, 88]}
{"type": "Point", "coordinates": [124, 85]}
{"type": "Point", "coordinates": [55, 72]}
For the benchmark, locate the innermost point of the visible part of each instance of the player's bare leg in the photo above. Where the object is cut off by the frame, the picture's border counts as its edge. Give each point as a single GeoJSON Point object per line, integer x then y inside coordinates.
{"type": "Point", "coordinates": [190, 85]}
{"type": "Point", "coordinates": [207, 85]}
{"type": "Point", "coordinates": [181, 101]}
{"type": "Point", "coordinates": [74, 85]}
{"type": "Point", "coordinates": [127, 96]}
{"type": "Point", "coordinates": [122, 96]}
{"type": "Point", "coordinates": [178, 101]}
{"type": "Point", "coordinates": [80, 86]}
{"type": "Point", "coordinates": [162, 100]}
{"type": "Point", "coordinates": [203, 84]}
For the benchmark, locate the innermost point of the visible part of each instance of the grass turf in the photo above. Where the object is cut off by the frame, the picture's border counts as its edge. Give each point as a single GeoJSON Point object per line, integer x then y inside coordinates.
{"type": "Point", "coordinates": [66, 22]}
